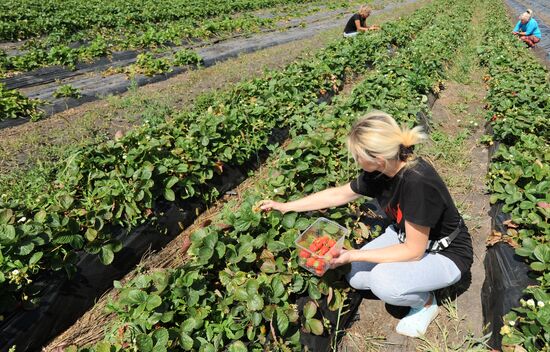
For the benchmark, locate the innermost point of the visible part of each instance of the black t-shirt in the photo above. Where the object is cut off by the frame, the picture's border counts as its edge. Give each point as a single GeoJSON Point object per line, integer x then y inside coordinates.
{"type": "Point", "coordinates": [351, 27]}
{"type": "Point", "coordinates": [419, 195]}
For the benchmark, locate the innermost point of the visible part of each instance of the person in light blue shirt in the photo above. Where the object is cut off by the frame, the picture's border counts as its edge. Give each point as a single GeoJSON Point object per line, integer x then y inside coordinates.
{"type": "Point", "coordinates": [527, 29]}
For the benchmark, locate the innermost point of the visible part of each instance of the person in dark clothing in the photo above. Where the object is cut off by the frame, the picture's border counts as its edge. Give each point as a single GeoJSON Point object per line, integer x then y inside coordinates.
{"type": "Point", "coordinates": [356, 23]}
{"type": "Point", "coordinates": [426, 248]}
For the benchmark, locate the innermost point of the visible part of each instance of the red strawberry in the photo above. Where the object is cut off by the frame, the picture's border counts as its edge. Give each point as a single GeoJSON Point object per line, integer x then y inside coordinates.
{"type": "Point", "coordinates": [320, 268]}
{"type": "Point", "coordinates": [323, 250]}
{"type": "Point", "coordinates": [304, 254]}
{"type": "Point", "coordinates": [314, 247]}
{"type": "Point", "coordinates": [310, 262]}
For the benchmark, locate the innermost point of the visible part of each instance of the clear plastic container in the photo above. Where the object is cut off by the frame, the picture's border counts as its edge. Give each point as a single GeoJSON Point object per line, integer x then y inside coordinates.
{"type": "Point", "coordinates": [318, 243]}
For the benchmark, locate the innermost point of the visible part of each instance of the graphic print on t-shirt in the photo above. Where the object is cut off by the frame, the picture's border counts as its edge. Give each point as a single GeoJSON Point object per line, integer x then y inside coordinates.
{"type": "Point", "coordinates": [396, 213]}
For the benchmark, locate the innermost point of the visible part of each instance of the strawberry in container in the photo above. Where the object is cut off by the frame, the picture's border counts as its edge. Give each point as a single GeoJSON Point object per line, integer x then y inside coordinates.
{"type": "Point", "coordinates": [318, 244]}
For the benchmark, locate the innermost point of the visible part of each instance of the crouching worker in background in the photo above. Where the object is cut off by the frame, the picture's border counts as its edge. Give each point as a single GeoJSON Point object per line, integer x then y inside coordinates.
{"type": "Point", "coordinates": [527, 29]}
{"type": "Point", "coordinates": [427, 247]}
{"type": "Point", "coordinates": [356, 23]}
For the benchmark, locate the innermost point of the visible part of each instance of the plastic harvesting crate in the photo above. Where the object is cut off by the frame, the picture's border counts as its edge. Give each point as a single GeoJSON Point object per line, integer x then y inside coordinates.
{"type": "Point", "coordinates": [318, 243]}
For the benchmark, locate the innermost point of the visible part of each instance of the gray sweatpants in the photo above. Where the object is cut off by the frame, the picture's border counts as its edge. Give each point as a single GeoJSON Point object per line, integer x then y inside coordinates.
{"type": "Point", "coordinates": [403, 283]}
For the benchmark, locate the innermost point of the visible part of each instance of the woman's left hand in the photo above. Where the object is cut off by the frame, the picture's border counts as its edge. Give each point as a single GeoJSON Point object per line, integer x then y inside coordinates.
{"type": "Point", "coordinates": [341, 258]}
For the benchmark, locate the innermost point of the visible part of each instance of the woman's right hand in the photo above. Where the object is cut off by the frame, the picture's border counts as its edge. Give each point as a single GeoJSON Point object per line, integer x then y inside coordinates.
{"type": "Point", "coordinates": [268, 205]}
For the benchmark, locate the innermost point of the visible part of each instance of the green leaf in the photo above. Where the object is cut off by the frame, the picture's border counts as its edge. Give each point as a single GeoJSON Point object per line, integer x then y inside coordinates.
{"type": "Point", "coordinates": [220, 249]}
{"type": "Point", "coordinates": [40, 217]}
{"type": "Point", "coordinates": [542, 253]}
{"type": "Point", "coordinates": [332, 229]}
{"type": "Point", "coordinates": [171, 182]}
{"type": "Point", "coordinates": [277, 287]}
{"type": "Point", "coordinates": [144, 343]}
{"type": "Point", "coordinates": [301, 224]}
{"type": "Point", "coordinates": [65, 201]}
{"type": "Point", "coordinates": [256, 319]}
{"type": "Point", "coordinates": [310, 309]}
{"type": "Point", "coordinates": [91, 234]}
{"type": "Point", "coordinates": [146, 174]}
{"type": "Point", "coordinates": [205, 253]}
{"type": "Point", "coordinates": [289, 220]}
{"type": "Point", "coordinates": [538, 266]}
{"type": "Point", "coordinates": [298, 283]}
{"type": "Point", "coordinates": [26, 248]}
{"type": "Point", "coordinates": [336, 301]}
{"type": "Point", "coordinates": [103, 347]}
{"type": "Point", "coordinates": [255, 302]}
{"type": "Point", "coordinates": [210, 240]}
{"type": "Point", "coordinates": [153, 301]}
{"type": "Point", "coordinates": [282, 321]}
{"type": "Point", "coordinates": [186, 341]}
{"type": "Point", "coordinates": [106, 256]}
{"type": "Point", "coordinates": [269, 266]}
{"type": "Point", "coordinates": [161, 337]}
{"type": "Point", "coordinates": [189, 325]}
{"type": "Point", "coordinates": [5, 216]}
{"type": "Point", "coordinates": [240, 294]}
{"type": "Point", "coordinates": [252, 286]}
{"type": "Point", "coordinates": [313, 291]}
{"type": "Point", "coordinates": [228, 153]}
{"type": "Point", "coordinates": [316, 326]}
{"type": "Point", "coordinates": [237, 346]}
{"type": "Point", "coordinates": [7, 233]}
{"type": "Point", "coordinates": [169, 195]}
{"type": "Point", "coordinates": [159, 348]}
{"type": "Point", "coordinates": [524, 252]}
{"type": "Point", "coordinates": [137, 296]}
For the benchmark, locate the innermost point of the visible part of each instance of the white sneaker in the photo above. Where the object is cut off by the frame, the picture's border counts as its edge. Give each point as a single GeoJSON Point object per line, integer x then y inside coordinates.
{"type": "Point", "coordinates": [417, 321]}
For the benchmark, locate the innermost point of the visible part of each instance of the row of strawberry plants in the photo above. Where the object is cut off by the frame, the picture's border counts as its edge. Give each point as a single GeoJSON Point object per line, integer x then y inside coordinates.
{"type": "Point", "coordinates": [116, 184]}
{"type": "Point", "coordinates": [519, 173]}
{"type": "Point", "coordinates": [98, 33]}
{"type": "Point", "coordinates": [238, 290]}
{"type": "Point", "coordinates": [31, 18]}
{"type": "Point", "coordinates": [14, 105]}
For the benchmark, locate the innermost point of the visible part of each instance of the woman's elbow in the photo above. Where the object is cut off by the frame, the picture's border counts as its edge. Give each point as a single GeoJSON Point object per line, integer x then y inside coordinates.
{"type": "Point", "coordinates": [417, 257]}
{"type": "Point", "coordinates": [416, 254]}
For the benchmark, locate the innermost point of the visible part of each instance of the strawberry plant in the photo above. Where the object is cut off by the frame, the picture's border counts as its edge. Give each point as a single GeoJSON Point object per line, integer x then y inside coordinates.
{"type": "Point", "coordinates": [67, 91]}
{"type": "Point", "coordinates": [186, 57]}
{"type": "Point", "coordinates": [13, 105]}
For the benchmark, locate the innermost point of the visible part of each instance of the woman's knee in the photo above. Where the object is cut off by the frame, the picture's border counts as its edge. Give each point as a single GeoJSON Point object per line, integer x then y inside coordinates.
{"type": "Point", "coordinates": [383, 286]}
{"type": "Point", "coordinates": [357, 279]}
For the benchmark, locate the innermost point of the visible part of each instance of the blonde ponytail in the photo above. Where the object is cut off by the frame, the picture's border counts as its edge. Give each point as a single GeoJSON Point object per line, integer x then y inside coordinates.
{"type": "Point", "coordinates": [378, 135]}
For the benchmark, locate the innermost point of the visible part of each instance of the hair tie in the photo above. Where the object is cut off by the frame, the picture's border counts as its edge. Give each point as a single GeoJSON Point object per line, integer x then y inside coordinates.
{"type": "Point", "coordinates": [405, 152]}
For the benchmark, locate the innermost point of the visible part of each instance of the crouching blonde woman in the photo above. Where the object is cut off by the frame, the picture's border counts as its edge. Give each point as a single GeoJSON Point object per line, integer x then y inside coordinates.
{"type": "Point", "coordinates": [356, 23]}
{"type": "Point", "coordinates": [427, 247]}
